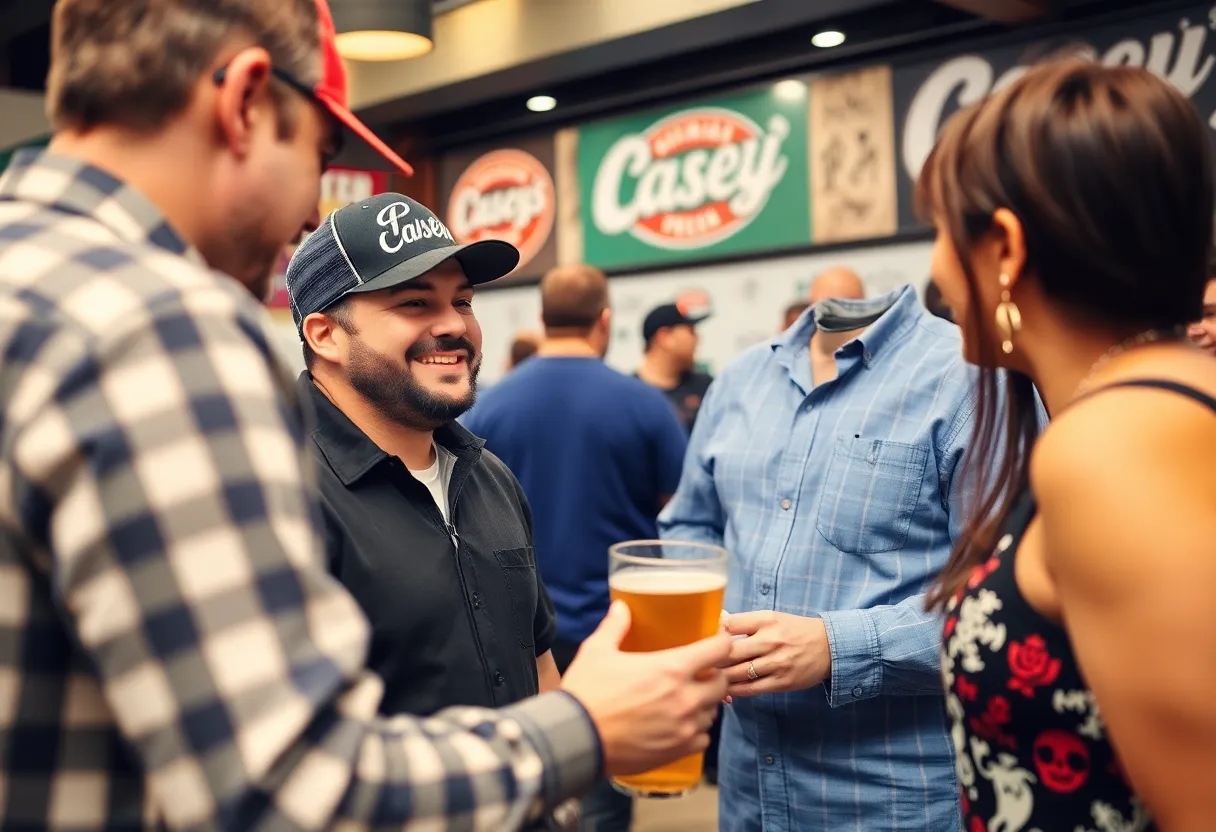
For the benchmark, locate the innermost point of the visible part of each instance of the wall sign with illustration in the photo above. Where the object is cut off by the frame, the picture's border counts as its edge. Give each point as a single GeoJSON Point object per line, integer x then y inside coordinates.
{"type": "Point", "coordinates": [852, 134]}
{"type": "Point", "coordinates": [1177, 45]}
{"type": "Point", "coordinates": [339, 188]}
{"type": "Point", "coordinates": [504, 193]}
{"type": "Point", "coordinates": [724, 176]}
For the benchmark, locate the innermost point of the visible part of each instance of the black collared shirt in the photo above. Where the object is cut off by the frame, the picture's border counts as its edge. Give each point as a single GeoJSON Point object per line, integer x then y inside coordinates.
{"type": "Point", "coordinates": [686, 396]}
{"type": "Point", "coordinates": [458, 612]}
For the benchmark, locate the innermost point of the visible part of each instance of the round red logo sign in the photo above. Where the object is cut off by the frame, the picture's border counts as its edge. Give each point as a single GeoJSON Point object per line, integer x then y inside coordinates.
{"type": "Point", "coordinates": [504, 195]}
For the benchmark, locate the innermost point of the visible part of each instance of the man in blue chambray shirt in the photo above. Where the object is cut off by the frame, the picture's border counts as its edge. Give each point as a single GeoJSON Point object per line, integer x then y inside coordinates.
{"type": "Point", "coordinates": [827, 463]}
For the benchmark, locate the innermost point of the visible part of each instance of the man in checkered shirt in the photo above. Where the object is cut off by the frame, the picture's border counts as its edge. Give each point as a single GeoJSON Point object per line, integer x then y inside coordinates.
{"type": "Point", "coordinates": [172, 651]}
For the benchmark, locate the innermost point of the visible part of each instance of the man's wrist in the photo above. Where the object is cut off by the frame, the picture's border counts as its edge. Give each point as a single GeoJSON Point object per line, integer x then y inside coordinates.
{"type": "Point", "coordinates": [564, 735]}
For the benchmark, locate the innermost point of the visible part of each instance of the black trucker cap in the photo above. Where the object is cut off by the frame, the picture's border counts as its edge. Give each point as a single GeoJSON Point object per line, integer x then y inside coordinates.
{"type": "Point", "coordinates": [381, 243]}
{"type": "Point", "coordinates": [669, 314]}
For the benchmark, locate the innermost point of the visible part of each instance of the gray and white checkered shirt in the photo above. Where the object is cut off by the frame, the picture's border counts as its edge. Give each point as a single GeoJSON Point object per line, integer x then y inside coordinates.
{"type": "Point", "coordinates": [172, 651]}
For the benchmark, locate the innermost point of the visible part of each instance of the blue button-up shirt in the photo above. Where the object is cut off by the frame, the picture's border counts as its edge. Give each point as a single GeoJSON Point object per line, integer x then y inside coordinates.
{"type": "Point", "coordinates": [840, 501]}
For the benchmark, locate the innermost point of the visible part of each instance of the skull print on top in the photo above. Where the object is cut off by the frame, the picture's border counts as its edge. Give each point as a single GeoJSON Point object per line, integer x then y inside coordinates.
{"type": "Point", "coordinates": [1031, 750]}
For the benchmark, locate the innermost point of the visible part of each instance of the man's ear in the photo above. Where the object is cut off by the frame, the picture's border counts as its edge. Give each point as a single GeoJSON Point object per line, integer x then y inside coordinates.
{"type": "Point", "coordinates": [242, 98]}
{"type": "Point", "coordinates": [323, 336]}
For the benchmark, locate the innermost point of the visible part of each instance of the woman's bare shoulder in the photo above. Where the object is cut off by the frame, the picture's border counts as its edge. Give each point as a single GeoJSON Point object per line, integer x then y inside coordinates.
{"type": "Point", "coordinates": [1116, 428]}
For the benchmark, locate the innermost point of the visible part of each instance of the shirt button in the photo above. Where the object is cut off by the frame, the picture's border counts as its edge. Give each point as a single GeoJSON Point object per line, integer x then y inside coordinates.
{"type": "Point", "coordinates": [476, 601]}
{"type": "Point", "coordinates": [764, 588]}
{"type": "Point", "coordinates": [770, 759]}
{"type": "Point", "coordinates": [857, 691]}
{"type": "Point", "coordinates": [499, 679]}
{"type": "Point", "coordinates": [785, 504]}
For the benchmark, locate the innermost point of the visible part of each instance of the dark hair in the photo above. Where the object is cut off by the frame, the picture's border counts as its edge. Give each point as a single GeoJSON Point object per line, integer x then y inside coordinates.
{"type": "Point", "coordinates": [522, 349]}
{"type": "Point", "coordinates": [794, 310]}
{"type": "Point", "coordinates": [338, 312]}
{"type": "Point", "coordinates": [573, 298]}
{"type": "Point", "coordinates": [934, 302]}
{"type": "Point", "coordinates": [1108, 170]}
{"type": "Point", "coordinates": [134, 64]}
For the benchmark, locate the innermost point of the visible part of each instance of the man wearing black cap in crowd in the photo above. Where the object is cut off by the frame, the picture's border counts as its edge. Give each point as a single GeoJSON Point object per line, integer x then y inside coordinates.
{"type": "Point", "coordinates": [670, 359]}
{"type": "Point", "coordinates": [430, 532]}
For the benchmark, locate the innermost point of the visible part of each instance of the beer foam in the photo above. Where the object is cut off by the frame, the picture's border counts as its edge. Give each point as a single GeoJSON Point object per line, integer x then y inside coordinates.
{"type": "Point", "coordinates": [666, 581]}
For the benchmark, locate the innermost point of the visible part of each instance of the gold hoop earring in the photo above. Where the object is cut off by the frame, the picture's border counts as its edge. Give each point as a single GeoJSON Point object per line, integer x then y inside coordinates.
{"type": "Point", "coordinates": [1008, 317]}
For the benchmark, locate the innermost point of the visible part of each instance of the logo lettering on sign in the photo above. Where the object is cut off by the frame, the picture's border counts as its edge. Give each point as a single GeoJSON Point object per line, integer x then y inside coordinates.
{"type": "Point", "coordinates": [698, 177]}
{"type": "Point", "coordinates": [341, 187]}
{"type": "Point", "coordinates": [1180, 59]}
{"type": "Point", "coordinates": [504, 195]}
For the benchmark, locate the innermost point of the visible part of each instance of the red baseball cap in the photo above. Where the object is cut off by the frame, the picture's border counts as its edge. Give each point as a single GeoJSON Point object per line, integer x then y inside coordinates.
{"type": "Point", "coordinates": [331, 91]}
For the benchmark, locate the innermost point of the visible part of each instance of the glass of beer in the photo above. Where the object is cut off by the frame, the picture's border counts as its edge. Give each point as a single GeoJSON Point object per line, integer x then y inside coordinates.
{"type": "Point", "coordinates": [674, 591]}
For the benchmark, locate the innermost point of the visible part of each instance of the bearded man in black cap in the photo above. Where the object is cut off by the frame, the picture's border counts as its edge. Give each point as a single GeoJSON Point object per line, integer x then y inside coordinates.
{"type": "Point", "coordinates": [431, 533]}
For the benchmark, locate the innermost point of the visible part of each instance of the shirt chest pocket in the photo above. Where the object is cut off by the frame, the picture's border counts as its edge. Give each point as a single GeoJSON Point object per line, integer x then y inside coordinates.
{"type": "Point", "coordinates": [870, 493]}
{"type": "Point", "coordinates": [518, 567]}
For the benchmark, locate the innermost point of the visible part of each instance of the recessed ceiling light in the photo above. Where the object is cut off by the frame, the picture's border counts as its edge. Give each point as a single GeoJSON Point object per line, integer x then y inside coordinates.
{"type": "Point", "coordinates": [826, 40]}
{"type": "Point", "coordinates": [541, 103]}
{"type": "Point", "coordinates": [789, 90]}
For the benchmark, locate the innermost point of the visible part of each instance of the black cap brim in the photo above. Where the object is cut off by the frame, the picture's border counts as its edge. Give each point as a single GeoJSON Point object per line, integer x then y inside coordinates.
{"type": "Point", "coordinates": [482, 262]}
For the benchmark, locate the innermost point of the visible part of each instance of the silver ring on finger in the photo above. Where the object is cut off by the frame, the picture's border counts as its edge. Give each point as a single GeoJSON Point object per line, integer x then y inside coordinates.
{"type": "Point", "coordinates": [752, 675]}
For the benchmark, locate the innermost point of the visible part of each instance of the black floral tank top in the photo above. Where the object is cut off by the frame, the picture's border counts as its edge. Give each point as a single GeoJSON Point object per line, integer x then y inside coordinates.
{"type": "Point", "coordinates": [1031, 750]}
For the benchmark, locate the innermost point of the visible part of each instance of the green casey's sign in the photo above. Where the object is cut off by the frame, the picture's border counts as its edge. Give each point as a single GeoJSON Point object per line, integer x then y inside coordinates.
{"type": "Point", "coordinates": [720, 177]}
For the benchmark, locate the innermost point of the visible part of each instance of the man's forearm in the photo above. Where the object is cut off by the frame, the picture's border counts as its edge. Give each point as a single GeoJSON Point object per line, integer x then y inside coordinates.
{"type": "Point", "coordinates": [410, 772]}
{"type": "Point", "coordinates": [883, 651]}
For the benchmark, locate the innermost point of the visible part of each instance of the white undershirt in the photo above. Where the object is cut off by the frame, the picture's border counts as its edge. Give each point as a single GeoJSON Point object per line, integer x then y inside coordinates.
{"type": "Point", "coordinates": [436, 478]}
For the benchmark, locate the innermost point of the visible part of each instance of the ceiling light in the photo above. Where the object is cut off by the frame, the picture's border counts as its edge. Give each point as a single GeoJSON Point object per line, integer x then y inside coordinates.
{"type": "Point", "coordinates": [789, 90]}
{"type": "Point", "coordinates": [382, 30]}
{"type": "Point", "coordinates": [541, 103]}
{"type": "Point", "coordinates": [826, 40]}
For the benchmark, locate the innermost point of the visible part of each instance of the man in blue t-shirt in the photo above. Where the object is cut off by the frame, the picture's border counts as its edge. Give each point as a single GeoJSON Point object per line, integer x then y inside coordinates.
{"type": "Point", "coordinates": [598, 454]}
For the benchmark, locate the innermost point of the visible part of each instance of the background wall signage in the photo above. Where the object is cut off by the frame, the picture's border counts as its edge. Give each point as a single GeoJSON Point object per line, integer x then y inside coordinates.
{"type": "Point", "coordinates": [1177, 45]}
{"type": "Point", "coordinates": [723, 176]}
{"type": "Point", "coordinates": [852, 134]}
{"type": "Point", "coordinates": [505, 193]}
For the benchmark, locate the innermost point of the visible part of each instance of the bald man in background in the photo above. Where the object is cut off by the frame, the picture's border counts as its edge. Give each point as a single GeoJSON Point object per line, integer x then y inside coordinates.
{"type": "Point", "coordinates": [598, 454]}
{"type": "Point", "coordinates": [837, 283]}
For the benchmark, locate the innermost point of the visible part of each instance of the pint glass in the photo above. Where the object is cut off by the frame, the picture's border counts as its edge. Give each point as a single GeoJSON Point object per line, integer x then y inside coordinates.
{"type": "Point", "coordinates": [674, 592]}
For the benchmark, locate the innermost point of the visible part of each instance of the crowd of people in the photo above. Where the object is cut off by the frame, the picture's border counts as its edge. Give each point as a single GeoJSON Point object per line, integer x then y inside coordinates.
{"type": "Point", "coordinates": [970, 546]}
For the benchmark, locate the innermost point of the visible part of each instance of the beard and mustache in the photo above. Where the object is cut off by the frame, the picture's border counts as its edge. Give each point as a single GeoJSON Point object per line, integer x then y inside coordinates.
{"type": "Point", "coordinates": [399, 396]}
